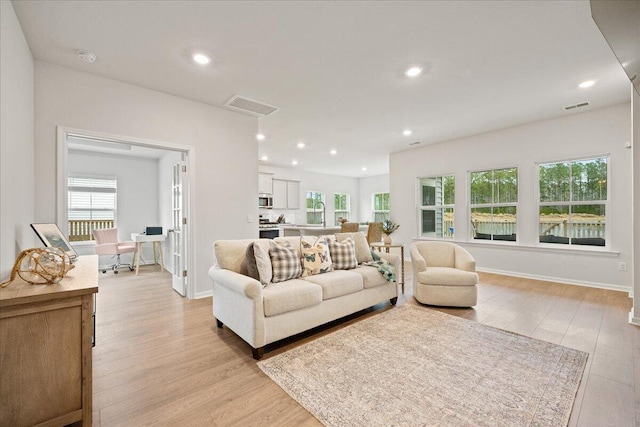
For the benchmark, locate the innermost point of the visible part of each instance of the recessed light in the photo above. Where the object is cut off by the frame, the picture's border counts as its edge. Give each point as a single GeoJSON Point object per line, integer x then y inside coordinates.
{"type": "Point", "coordinates": [201, 58]}
{"type": "Point", "coordinates": [413, 71]}
{"type": "Point", "coordinates": [264, 158]}
{"type": "Point", "coordinates": [260, 137]}
{"type": "Point", "coordinates": [587, 84]}
{"type": "Point", "coordinates": [294, 162]}
{"type": "Point", "coordinates": [86, 56]}
{"type": "Point", "coordinates": [407, 132]}
{"type": "Point", "coordinates": [364, 169]}
{"type": "Point", "coordinates": [333, 152]}
{"type": "Point", "coordinates": [301, 144]}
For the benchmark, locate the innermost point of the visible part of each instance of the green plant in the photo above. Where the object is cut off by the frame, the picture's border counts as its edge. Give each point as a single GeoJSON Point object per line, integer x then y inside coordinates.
{"type": "Point", "coordinates": [389, 226]}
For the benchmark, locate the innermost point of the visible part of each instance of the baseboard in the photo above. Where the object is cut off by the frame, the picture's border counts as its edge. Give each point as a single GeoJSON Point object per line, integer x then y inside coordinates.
{"type": "Point", "coordinates": [608, 286]}
{"type": "Point", "coordinates": [204, 294]}
{"type": "Point", "coordinates": [634, 320]}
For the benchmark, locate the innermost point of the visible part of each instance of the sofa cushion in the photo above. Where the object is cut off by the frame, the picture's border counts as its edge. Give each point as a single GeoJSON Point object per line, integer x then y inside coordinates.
{"type": "Point", "coordinates": [343, 255]}
{"type": "Point", "coordinates": [337, 283]}
{"type": "Point", "coordinates": [293, 241]}
{"type": "Point", "coordinates": [259, 263]}
{"type": "Point", "coordinates": [290, 295]}
{"type": "Point", "coordinates": [315, 257]}
{"type": "Point", "coordinates": [447, 277]}
{"type": "Point", "coordinates": [371, 276]}
{"type": "Point", "coordinates": [285, 262]}
{"type": "Point", "coordinates": [231, 254]}
{"type": "Point", "coordinates": [363, 251]}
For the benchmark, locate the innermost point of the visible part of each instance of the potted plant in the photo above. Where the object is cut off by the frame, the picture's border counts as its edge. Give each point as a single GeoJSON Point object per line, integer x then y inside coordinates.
{"type": "Point", "coordinates": [388, 227]}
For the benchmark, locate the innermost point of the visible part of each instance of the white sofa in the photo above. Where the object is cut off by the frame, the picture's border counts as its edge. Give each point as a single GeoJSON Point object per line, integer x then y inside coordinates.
{"type": "Point", "coordinates": [261, 315]}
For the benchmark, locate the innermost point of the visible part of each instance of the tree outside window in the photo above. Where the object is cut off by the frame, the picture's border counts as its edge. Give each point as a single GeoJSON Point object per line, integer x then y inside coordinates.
{"type": "Point", "coordinates": [341, 207]}
{"type": "Point", "coordinates": [91, 205]}
{"type": "Point", "coordinates": [494, 201]}
{"type": "Point", "coordinates": [437, 196]}
{"type": "Point", "coordinates": [380, 207]}
{"type": "Point", "coordinates": [314, 216]}
{"type": "Point", "coordinates": [572, 204]}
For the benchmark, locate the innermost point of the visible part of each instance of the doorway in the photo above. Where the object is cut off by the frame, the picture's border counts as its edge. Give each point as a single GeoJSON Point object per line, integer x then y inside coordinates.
{"type": "Point", "coordinates": [148, 194]}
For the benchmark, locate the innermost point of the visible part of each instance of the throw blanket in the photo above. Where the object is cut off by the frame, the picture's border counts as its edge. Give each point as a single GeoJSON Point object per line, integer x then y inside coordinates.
{"type": "Point", "coordinates": [384, 267]}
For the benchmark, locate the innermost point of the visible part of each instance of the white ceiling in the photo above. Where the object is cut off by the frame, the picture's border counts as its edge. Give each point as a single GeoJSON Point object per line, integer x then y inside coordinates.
{"type": "Point", "coordinates": [335, 69]}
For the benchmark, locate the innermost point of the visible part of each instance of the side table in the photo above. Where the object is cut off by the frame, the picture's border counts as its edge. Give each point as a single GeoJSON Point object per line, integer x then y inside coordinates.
{"type": "Point", "coordinates": [379, 246]}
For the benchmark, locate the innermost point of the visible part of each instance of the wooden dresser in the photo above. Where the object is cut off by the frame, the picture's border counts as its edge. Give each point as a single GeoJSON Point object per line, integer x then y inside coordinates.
{"type": "Point", "coordinates": [45, 349]}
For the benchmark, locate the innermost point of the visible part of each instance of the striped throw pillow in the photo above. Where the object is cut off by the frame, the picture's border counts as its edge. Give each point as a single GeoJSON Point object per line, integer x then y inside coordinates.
{"type": "Point", "coordinates": [343, 254]}
{"type": "Point", "coordinates": [285, 262]}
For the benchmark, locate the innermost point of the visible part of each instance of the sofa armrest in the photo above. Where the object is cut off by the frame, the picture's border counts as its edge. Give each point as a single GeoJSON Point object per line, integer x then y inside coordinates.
{"type": "Point", "coordinates": [464, 260]}
{"type": "Point", "coordinates": [236, 282]}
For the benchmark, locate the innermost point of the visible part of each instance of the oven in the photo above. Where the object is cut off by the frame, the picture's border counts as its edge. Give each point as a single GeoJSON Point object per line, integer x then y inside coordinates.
{"type": "Point", "coordinates": [269, 232]}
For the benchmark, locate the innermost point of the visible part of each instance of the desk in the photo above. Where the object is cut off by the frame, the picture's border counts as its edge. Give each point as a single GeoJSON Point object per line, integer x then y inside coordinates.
{"type": "Point", "coordinates": [380, 246]}
{"type": "Point", "coordinates": [45, 342]}
{"type": "Point", "coordinates": [156, 239]}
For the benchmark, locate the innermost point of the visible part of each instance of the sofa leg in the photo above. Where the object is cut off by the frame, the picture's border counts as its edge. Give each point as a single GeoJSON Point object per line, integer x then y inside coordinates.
{"type": "Point", "coordinates": [219, 323]}
{"type": "Point", "coordinates": [393, 300]}
{"type": "Point", "coordinates": [257, 352]}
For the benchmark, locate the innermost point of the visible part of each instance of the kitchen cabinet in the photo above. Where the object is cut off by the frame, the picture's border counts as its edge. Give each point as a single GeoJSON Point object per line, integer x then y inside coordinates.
{"type": "Point", "coordinates": [286, 194]}
{"type": "Point", "coordinates": [265, 183]}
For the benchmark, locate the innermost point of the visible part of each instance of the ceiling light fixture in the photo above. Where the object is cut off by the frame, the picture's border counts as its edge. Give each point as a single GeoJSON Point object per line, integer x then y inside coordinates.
{"type": "Point", "coordinates": [407, 132]}
{"type": "Point", "coordinates": [333, 152]}
{"type": "Point", "coordinates": [294, 162]}
{"type": "Point", "coordinates": [264, 158]}
{"type": "Point", "coordinates": [201, 58]}
{"type": "Point", "coordinates": [301, 145]}
{"type": "Point", "coordinates": [86, 56]}
{"type": "Point", "coordinates": [587, 84]}
{"type": "Point", "coordinates": [364, 169]}
{"type": "Point", "coordinates": [413, 71]}
{"type": "Point", "coordinates": [260, 137]}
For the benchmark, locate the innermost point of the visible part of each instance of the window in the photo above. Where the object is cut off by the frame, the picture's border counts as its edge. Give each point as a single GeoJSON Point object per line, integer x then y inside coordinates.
{"type": "Point", "coordinates": [314, 208]}
{"type": "Point", "coordinates": [91, 205]}
{"type": "Point", "coordinates": [380, 207]}
{"type": "Point", "coordinates": [572, 205]}
{"type": "Point", "coordinates": [437, 195]}
{"type": "Point", "coordinates": [341, 206]}
{"type": "Point", "coordinates": [494, 200]}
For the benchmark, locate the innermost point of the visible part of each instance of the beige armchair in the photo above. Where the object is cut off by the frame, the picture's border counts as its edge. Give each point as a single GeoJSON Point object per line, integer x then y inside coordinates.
{"type": "Point", "coordinates": [444, 274]}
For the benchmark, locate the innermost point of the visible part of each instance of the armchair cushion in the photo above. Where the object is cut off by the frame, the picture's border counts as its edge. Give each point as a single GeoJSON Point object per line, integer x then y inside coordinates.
{"type": "Point", "coordinates": [447, 277]}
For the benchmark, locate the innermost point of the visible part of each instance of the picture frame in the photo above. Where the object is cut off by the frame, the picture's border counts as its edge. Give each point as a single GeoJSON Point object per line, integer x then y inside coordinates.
{"type": "Point", "coordinates": [51, 236]}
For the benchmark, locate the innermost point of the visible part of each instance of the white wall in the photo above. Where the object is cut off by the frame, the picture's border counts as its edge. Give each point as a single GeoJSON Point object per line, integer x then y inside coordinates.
{"type": "Point", "coordinates": [165, 182]}
{"type": "Point", "coordinates": [602, 131]}
{"type": "Point", "coordinates": [137, 202]}
{"type": "Point", "coordinates": [16, 141]}
{"type": "Point", "coordinates": [635, 311]}
{"type": "Point", "coordinates": [224, 149]}
{"type": "Point", "coordinates": [310, 181]}
{"type": "Point", "coordinates": [366, 187]}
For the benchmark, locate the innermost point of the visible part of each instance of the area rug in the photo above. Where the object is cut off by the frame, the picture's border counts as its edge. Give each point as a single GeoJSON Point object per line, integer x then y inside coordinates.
{"type": "Point", "coordinates": [412, 366]}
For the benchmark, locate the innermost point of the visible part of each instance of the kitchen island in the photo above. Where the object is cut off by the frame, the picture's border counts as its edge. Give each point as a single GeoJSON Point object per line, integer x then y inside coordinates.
{"type": "Point", "coordinates": [312, 230]}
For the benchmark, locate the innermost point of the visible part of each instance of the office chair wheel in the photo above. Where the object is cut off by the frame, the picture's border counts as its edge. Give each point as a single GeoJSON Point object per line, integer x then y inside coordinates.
{"type": "Point", "coordinates": [131, 268]}
{"type": "Point", "coordinates": [104, 271]}
{"type": "Point", "coordinates": [115, 271]}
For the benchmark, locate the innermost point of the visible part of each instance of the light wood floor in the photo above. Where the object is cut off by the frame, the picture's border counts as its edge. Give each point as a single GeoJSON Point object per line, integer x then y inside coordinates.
{"type": "Point", "coordinates": [160, 360]}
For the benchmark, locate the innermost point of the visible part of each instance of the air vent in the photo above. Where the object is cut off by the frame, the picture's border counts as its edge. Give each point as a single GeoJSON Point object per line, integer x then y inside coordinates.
{"type": "Point", "coordinates": [415, 143]}
{"type": "Point", "coordinates": [250, 106]}
{"type": "Point", "coordinates": [572, 107]}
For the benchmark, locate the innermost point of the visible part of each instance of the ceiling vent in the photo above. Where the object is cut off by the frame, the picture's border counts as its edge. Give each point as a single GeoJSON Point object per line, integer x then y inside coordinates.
{"type": "Point", "coordinates": [573, 107]}
{"type": "Point", "coordinates": [249, 106]}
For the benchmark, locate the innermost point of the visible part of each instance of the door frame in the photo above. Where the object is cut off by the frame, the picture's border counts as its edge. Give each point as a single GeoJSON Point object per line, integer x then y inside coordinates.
{"type": "Point", "coordinates": [63, 132]}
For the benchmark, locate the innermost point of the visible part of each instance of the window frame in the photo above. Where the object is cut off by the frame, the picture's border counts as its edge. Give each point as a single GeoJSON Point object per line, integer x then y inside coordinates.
{"type": "Point", "coordinates": [385, 212]}
{"type": "Point", "coordinates": [310, 210]}
{"type": "Point", "coordinates": [435, 207]}
{"type": "Point", "coordinates": [70, 189]}
{"type": "Point", "coordinates": [493, 205]}
{"type": "Point", "coordinates": [344, 213]}
{"type": "Point", "coordinates": [606, 203]}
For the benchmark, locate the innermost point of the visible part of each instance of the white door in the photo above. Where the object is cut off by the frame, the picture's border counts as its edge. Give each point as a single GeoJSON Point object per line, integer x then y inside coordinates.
{"type": "Point", "coordinates": [179, 225]}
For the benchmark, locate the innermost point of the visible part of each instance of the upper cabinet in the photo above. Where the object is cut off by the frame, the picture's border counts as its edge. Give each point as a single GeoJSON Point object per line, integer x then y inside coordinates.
{"type": "Point", "coordinates": [265, 183]}
{"type": "Point", "coordinates": [286, 194]}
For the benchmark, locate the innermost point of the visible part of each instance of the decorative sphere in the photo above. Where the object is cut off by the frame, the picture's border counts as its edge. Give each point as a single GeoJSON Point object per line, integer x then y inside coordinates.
{"type": "Point", "coordinates": [40, 266]}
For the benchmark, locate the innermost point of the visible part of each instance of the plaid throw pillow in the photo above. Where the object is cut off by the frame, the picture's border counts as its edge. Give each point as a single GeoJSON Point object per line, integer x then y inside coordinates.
{"type": "Point", "coordinates": [343, 254]}
{"type": "Point", "coordinates": [315, 257]}
{"type": "Point", "coordinates": [285, 262]}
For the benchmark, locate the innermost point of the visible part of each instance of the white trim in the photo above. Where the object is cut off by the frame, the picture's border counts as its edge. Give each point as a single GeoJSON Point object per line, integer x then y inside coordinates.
{"type": "Point", "coordinates": [634, 320]}
{"type": "Point", "coordinates": [204, 294]}
{"type": "Point", "coordinates": [607, 286]}
{"type": "Point", "coordinates": [61, 189]}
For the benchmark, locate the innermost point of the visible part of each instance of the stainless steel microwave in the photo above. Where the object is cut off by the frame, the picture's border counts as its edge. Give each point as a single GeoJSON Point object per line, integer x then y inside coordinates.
{"type": "Point", "coordinates": [265, 202]}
